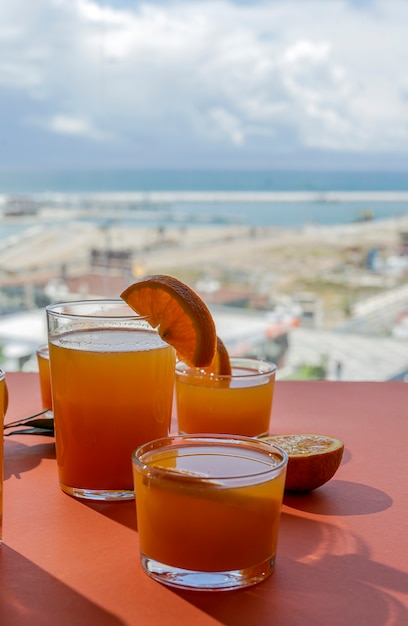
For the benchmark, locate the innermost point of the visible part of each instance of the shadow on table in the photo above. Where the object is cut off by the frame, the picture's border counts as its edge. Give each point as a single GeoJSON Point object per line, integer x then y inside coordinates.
{"type": "Point", "coordinates": [340, 497]}
{"type": "Point", "coordinates": [122, 512]}
{"type": "Point", "coordinates": [322, 577]}
{"type": "Point", "coordinates": [29, 595]}
{"type": "Point", "coordinates": [20, 458]}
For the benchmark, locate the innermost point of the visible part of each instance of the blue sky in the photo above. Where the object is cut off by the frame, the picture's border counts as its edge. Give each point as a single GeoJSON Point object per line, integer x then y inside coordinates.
{"type": "Point", "coordinates": [203, 83]}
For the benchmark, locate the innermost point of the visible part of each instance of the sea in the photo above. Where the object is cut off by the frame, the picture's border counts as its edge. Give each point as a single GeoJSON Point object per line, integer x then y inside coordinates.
{"type": "Point", "coordinates": [201, 197]}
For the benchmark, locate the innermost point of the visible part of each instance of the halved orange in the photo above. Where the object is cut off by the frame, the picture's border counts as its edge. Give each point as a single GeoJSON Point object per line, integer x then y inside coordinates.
{"type": "Point", "coordinates": [182, 318]}
{"type": "Point", "coordinates": [312, 459]}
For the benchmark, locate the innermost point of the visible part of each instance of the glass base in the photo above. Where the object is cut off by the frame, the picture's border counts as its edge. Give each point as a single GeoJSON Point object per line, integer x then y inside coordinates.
{"type": "Point", "coordinates": [99, 494]}
{"type": "Point", "coordinates": [207, 581]}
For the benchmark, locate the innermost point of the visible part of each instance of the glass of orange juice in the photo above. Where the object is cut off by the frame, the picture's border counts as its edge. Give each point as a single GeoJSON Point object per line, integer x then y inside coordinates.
{"type": "Point", "coordinates": [239, 403]}
{"type": "Point", "coordinates": [208, 509]}
{"type": "Point", "coordinates": [112, 389]}
{"type": "Point", "coordinates": [2, 411]}
{"type": "Point", "coordinates": [43, 360]}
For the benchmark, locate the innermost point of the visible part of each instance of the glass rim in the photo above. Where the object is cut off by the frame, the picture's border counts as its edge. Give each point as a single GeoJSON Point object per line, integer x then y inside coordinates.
{"type": "Point", "coordinates": [57, 310]}
{"type": "Point", "coordinates": [209, 439]}
{"type": "Point", "coordinates": [255, 367]}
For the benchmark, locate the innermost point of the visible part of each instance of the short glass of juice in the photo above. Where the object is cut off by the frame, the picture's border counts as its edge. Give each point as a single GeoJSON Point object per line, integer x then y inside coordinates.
{"type": "Point", "coordinates": [112, 390]}
{"type": "Point", "coordinates": [43, 360]}
{"type": "Point", "coordinates": [208, 509]}
{"type": "Point", "coordinates": [239, 403]}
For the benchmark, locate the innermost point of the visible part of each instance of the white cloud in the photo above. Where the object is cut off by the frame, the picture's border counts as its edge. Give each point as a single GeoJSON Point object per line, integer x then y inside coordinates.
{"type": "Point", "coordinates": [306, 50]}
{"type": "Point", "coordinates": [227, 124]}
{"type": "Point", "coordinates": [212, 73]}
{"type": "Point", "coordinates": [74, 126]}
{"type": "Point", "coordinates": [18, 75]}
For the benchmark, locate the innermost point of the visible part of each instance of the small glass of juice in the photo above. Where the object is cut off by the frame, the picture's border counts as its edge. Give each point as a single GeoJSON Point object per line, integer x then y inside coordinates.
{"type": "Point", "coordinates": [112, 390]}
{"type": "Point", "coordinates": [239, 403]}
{"type": "Point", "coordinates": [208, 509]}
{"type": "Point", "coordinates": [43, 360]}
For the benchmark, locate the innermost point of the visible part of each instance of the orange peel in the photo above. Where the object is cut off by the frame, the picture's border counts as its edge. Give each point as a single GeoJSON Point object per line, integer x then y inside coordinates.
{"type": "Point", "coordinates": [221, 364]}
{"type": "Point", "coordinates": [181, 317]}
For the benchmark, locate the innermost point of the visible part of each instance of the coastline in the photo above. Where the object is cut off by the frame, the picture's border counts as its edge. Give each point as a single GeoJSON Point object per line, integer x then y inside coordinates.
{"type": "Point", "coordinates": [273, 259]}
{"type": "Point", "coordinates": [184, 208]}
{"type": "Point", "coordinates": [43, 244]}
{"type": "Point", "coordinates": [249, 270]}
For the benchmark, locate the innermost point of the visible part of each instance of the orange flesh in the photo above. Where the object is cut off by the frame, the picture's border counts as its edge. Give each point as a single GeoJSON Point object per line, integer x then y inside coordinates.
{"type": "Point", "coordinates": [306, 445]}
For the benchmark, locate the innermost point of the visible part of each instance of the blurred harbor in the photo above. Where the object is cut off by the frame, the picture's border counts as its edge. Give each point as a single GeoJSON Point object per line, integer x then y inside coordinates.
{"type": "Point", "coordinates": [321, 300]}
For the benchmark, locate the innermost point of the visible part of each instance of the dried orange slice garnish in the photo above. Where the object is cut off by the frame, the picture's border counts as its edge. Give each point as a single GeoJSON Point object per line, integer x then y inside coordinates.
{"type": "Point", "coordinates": [312, 459]}
{"type": "Point", "coordinates": [182, 318]}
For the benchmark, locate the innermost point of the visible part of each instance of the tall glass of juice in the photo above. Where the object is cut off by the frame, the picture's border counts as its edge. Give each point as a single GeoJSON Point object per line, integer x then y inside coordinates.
{"type": "Point", "coordinates": [2, 410]}
{"type": "Point", "coordinates": [239, 403]}
{"type": "Point", "coordinates": [208, 509]}
{"type": "Point", "coordinates": [112, 389]}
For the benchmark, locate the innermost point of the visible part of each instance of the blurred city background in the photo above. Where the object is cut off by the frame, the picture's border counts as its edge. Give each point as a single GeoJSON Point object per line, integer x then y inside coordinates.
{"type": "Point", "coordinates": [256, 150]}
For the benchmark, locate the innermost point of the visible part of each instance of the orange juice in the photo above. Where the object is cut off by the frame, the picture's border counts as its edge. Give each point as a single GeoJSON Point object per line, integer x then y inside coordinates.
{"type": "Point", "coordinates": [210, 508]}
{"type": "Point", "coordinates": [240, 404]}
{"type": "Point", "coordinates": [112, 391]}
{"type": "Point", "coordinates": [45, 379]}
{"type": "Point", "coordinates": [2, 399]}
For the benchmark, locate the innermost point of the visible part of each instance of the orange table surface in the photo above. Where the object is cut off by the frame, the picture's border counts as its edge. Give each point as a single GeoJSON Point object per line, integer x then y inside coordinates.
{"type": "Point", "coordinates": [343, 549]}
